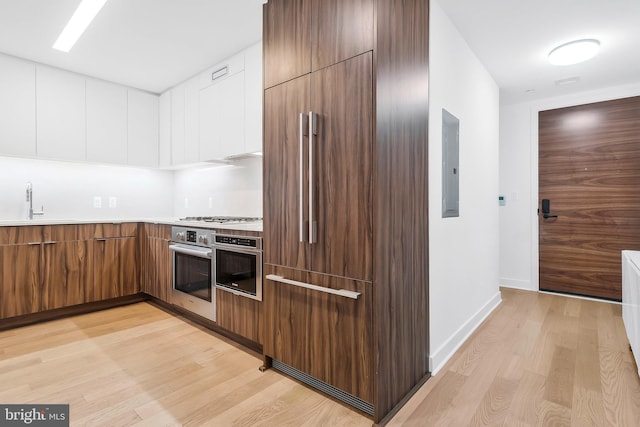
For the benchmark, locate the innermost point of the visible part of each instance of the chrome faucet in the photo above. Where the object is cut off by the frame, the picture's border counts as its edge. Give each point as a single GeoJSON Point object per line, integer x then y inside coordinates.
{"type": "Point", "coordinates": [30, 200]}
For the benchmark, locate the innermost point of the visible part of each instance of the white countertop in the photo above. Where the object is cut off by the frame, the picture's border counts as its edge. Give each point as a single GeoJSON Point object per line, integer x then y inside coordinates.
{"type": "Point", "coordinates": [249, 226]}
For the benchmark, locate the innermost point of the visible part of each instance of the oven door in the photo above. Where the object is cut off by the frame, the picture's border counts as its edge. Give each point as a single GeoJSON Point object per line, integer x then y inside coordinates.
{"type": "Point", "coordinates": [192, 280]}
{"type": "Point", "coordinates": [239, 270]}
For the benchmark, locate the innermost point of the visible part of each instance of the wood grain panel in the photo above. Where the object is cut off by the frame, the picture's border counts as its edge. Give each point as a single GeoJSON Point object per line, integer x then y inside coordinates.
{"type": "Point", "coordinates": [19, 279]}
{"type": "Point", "coordinates": [340, 29]}
{"type": "Point", "coordinates": [70, 232]}
{"type": "Point", "coordinates": [282, 107]}
{"type": "Point", "coordinates": [109, 230]}
{"type": "Point", "coordinates": [156, 267]}
{"type": "Point", "coordinates": [589, 169]}
{"type": "Point", "coordinates": [67, 270]}
{"type": "Point", "coordinates": [115, 269]}
{"type": "Point", "coordinates": [286, 40]}
{"type": "Point", "coordinates": [401, 260]}
{"type": "Point", "coordinates": [332, 334]}
{"type": "Point", "coordinates": [22, 234]}
{"type": "Point", "coordinates": [342, 97]}
{"type": "Point", "coordinates": [240, 315]}
{"type": "Point", "coordinates": [158, 231]}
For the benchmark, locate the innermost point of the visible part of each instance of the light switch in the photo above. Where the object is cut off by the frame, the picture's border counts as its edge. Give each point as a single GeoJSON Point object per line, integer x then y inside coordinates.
{"type": "Point", "coordinates": [502, 201]}
{"type": "Point", "coordinates": [97, 202]}
{"type": "Point", "coordinates": [113, 202]}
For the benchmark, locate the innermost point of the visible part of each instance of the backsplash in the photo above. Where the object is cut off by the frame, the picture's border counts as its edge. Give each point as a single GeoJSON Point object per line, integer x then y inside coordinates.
{"type": "Point", "coordinates": [228, 190]}
{"type": "Point", "coordinates": [69, 190]}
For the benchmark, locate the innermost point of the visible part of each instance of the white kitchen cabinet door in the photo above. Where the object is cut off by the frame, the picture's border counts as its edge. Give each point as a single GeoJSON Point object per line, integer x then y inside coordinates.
{"type": "Point", "coordinates": [191, 93]}
{"type": "Point", "coordinates": [208, 122]}
{"type": "Point", "coordinates": [17, 107]}
{"type": "Point", "coordinates": [222, 119]}
{"type": "Point", "coordinates": [253, 98]}
{"type": "Point", "coordinates": [60, 114]}
{"type": "Point", "coordinates": [106, 122]}
{"type": "Point", "coordinates": [178, 152]}
{"type": "Point", "coordinates": [232, 128]}
{"type": "Point", "coordinates": [164, 130]}
{"type": "Point", "coordinates": [142, 129]}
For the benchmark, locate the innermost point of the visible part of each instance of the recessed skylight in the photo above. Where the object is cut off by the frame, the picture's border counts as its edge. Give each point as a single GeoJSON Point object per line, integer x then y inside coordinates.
{"type": "Point", "coordinates": [82, 17]}
{"type": "Point", "coordinates": [574, 52]}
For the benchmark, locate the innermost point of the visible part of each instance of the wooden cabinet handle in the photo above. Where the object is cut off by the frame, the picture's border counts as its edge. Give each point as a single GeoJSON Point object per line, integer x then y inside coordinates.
{"type": "Point", "coordinates": [340, 292]}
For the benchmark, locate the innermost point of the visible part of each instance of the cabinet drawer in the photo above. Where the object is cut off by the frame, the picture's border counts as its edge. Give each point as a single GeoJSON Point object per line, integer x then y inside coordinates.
{"type": "Point", "coordinates": [108, 230]}
{"type": "Point", "coordinates": [18, 235]}
{"type": "Point", "coordinates": [324, 335]}
{"type": "Point", "coordinates": [239, 314]}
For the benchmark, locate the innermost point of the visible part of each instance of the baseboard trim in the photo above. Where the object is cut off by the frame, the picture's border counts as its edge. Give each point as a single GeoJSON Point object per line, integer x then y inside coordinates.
{"type": "Point", "coordinates": [442, 355]}
{"type": "Point", "coordinates": [516, 284]}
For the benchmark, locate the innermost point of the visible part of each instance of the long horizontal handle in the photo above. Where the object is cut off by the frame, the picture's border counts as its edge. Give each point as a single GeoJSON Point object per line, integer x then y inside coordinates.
{"type": "Point", "coordinates": [188, 251]}
{"type": "Point", "coordinates": [341, 292]}
{"type": "Point", "coordinates": [549, 216]}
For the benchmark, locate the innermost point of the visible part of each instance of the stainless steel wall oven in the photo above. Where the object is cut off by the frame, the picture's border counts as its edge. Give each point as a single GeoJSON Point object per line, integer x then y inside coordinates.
{"type": "Point", "coordinates": [193, 287]}
{"type": "Point", "coordinates": [238, 265]}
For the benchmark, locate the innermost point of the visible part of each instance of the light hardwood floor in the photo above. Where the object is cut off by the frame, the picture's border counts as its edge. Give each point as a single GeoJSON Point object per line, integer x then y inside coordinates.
{"type": "Point", "coordinates": [539, 360]}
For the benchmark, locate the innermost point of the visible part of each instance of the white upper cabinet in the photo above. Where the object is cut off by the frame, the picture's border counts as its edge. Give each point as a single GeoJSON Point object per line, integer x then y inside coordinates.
{"type": "Point", "coordinates": [191, 92]}
{"type": "Point", "coordinates": [178, 151]}
{"type": "Point", "coordinates": [142, 129]}
{"type": "Point", "coordinates": [60, 114]}
{"type": "Point", "coordinates": [217, 114]}
{"type": "Point", "coordinates": [253, 98]}
{"type": "Point", "coordinates": [222, 118]}
{"type": "Point", "coordinates": [164, 130]}
{"type": "Point", "coordinates": [106, 122]}
{"type": "Point", "coordinates": [231, 118]}
{"type": "Point", "coordinates": [17, 107]}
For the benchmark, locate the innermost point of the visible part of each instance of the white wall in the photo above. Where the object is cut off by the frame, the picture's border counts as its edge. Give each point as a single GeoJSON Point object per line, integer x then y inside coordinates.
{"type": "Point", "coordinates": [464, 252]}
{"type": "Point", "coordinates": [67, 190]}
{"type": "Point", "coordinates": [519, 180]}
{"type": "Point", "coordinates": [233, 190]}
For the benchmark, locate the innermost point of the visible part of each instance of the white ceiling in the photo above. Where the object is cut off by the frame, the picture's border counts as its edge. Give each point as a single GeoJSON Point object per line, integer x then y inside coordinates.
{"type": "Point", "coordinates": [155, 44]}
{"type": "Point", "coordinates": [512, 38]}
{"type": "Point", "coordinates": [147, 44]}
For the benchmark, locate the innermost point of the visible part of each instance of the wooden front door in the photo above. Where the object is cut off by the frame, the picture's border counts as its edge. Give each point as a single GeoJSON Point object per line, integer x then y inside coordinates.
{"type": "Point", "coordinates": [589, 171]}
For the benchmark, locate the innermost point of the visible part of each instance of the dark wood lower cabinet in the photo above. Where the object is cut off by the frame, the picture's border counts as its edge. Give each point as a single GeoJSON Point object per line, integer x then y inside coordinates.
{"type": "Point", "coordinates": [115, 266]}
{"type": "Point", "coordinates": [327, 336]}
{"type": "Point", "coordinates": [240, 315]}
{"type": "Point", "coordinates": [19, 280]}
{"type": "Point", "coordinates": [67, 273]}
{"type": "Point", "coordinates": [156, 273]}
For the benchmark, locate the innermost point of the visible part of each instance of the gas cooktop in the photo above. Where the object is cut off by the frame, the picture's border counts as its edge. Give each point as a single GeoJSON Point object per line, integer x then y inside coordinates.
{"type": "Point", "coordinates": [222, 219]}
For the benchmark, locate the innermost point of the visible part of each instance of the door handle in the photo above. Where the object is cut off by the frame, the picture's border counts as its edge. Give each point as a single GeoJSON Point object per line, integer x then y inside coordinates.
{"type": "Point", "coordinates": [546, 209]}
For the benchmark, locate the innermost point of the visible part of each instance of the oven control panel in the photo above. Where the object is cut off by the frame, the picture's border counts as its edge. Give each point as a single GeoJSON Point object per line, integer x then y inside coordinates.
{"type": "Point", "coordinates": [192, 236]}
{"type": "Point", "coordinates": [237, 241]}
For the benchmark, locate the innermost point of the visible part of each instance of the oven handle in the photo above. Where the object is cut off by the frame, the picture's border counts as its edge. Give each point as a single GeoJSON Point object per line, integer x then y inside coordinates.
{"type": "Point", "coordinates": [201, 253]}
{"type": "Point", "coordinates": [341, 292]}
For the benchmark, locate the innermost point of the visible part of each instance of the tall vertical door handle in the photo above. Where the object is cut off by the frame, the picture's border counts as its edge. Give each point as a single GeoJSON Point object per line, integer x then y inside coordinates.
{"type": "Point", "coordinates": [313, 131]}
{"type": "Point", "coordinates": [302, 132]}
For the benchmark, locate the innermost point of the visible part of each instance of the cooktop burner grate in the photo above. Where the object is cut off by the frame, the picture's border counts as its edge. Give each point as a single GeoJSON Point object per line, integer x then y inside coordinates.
{"type": "Point", "coordinates": [221, 219]}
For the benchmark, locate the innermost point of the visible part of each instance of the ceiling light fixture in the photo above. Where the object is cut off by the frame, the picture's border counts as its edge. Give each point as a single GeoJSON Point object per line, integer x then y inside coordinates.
{"type": "Point", "coordinates": [82, 17]}
{"type": "Point", "coordinates": [574, 52]}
